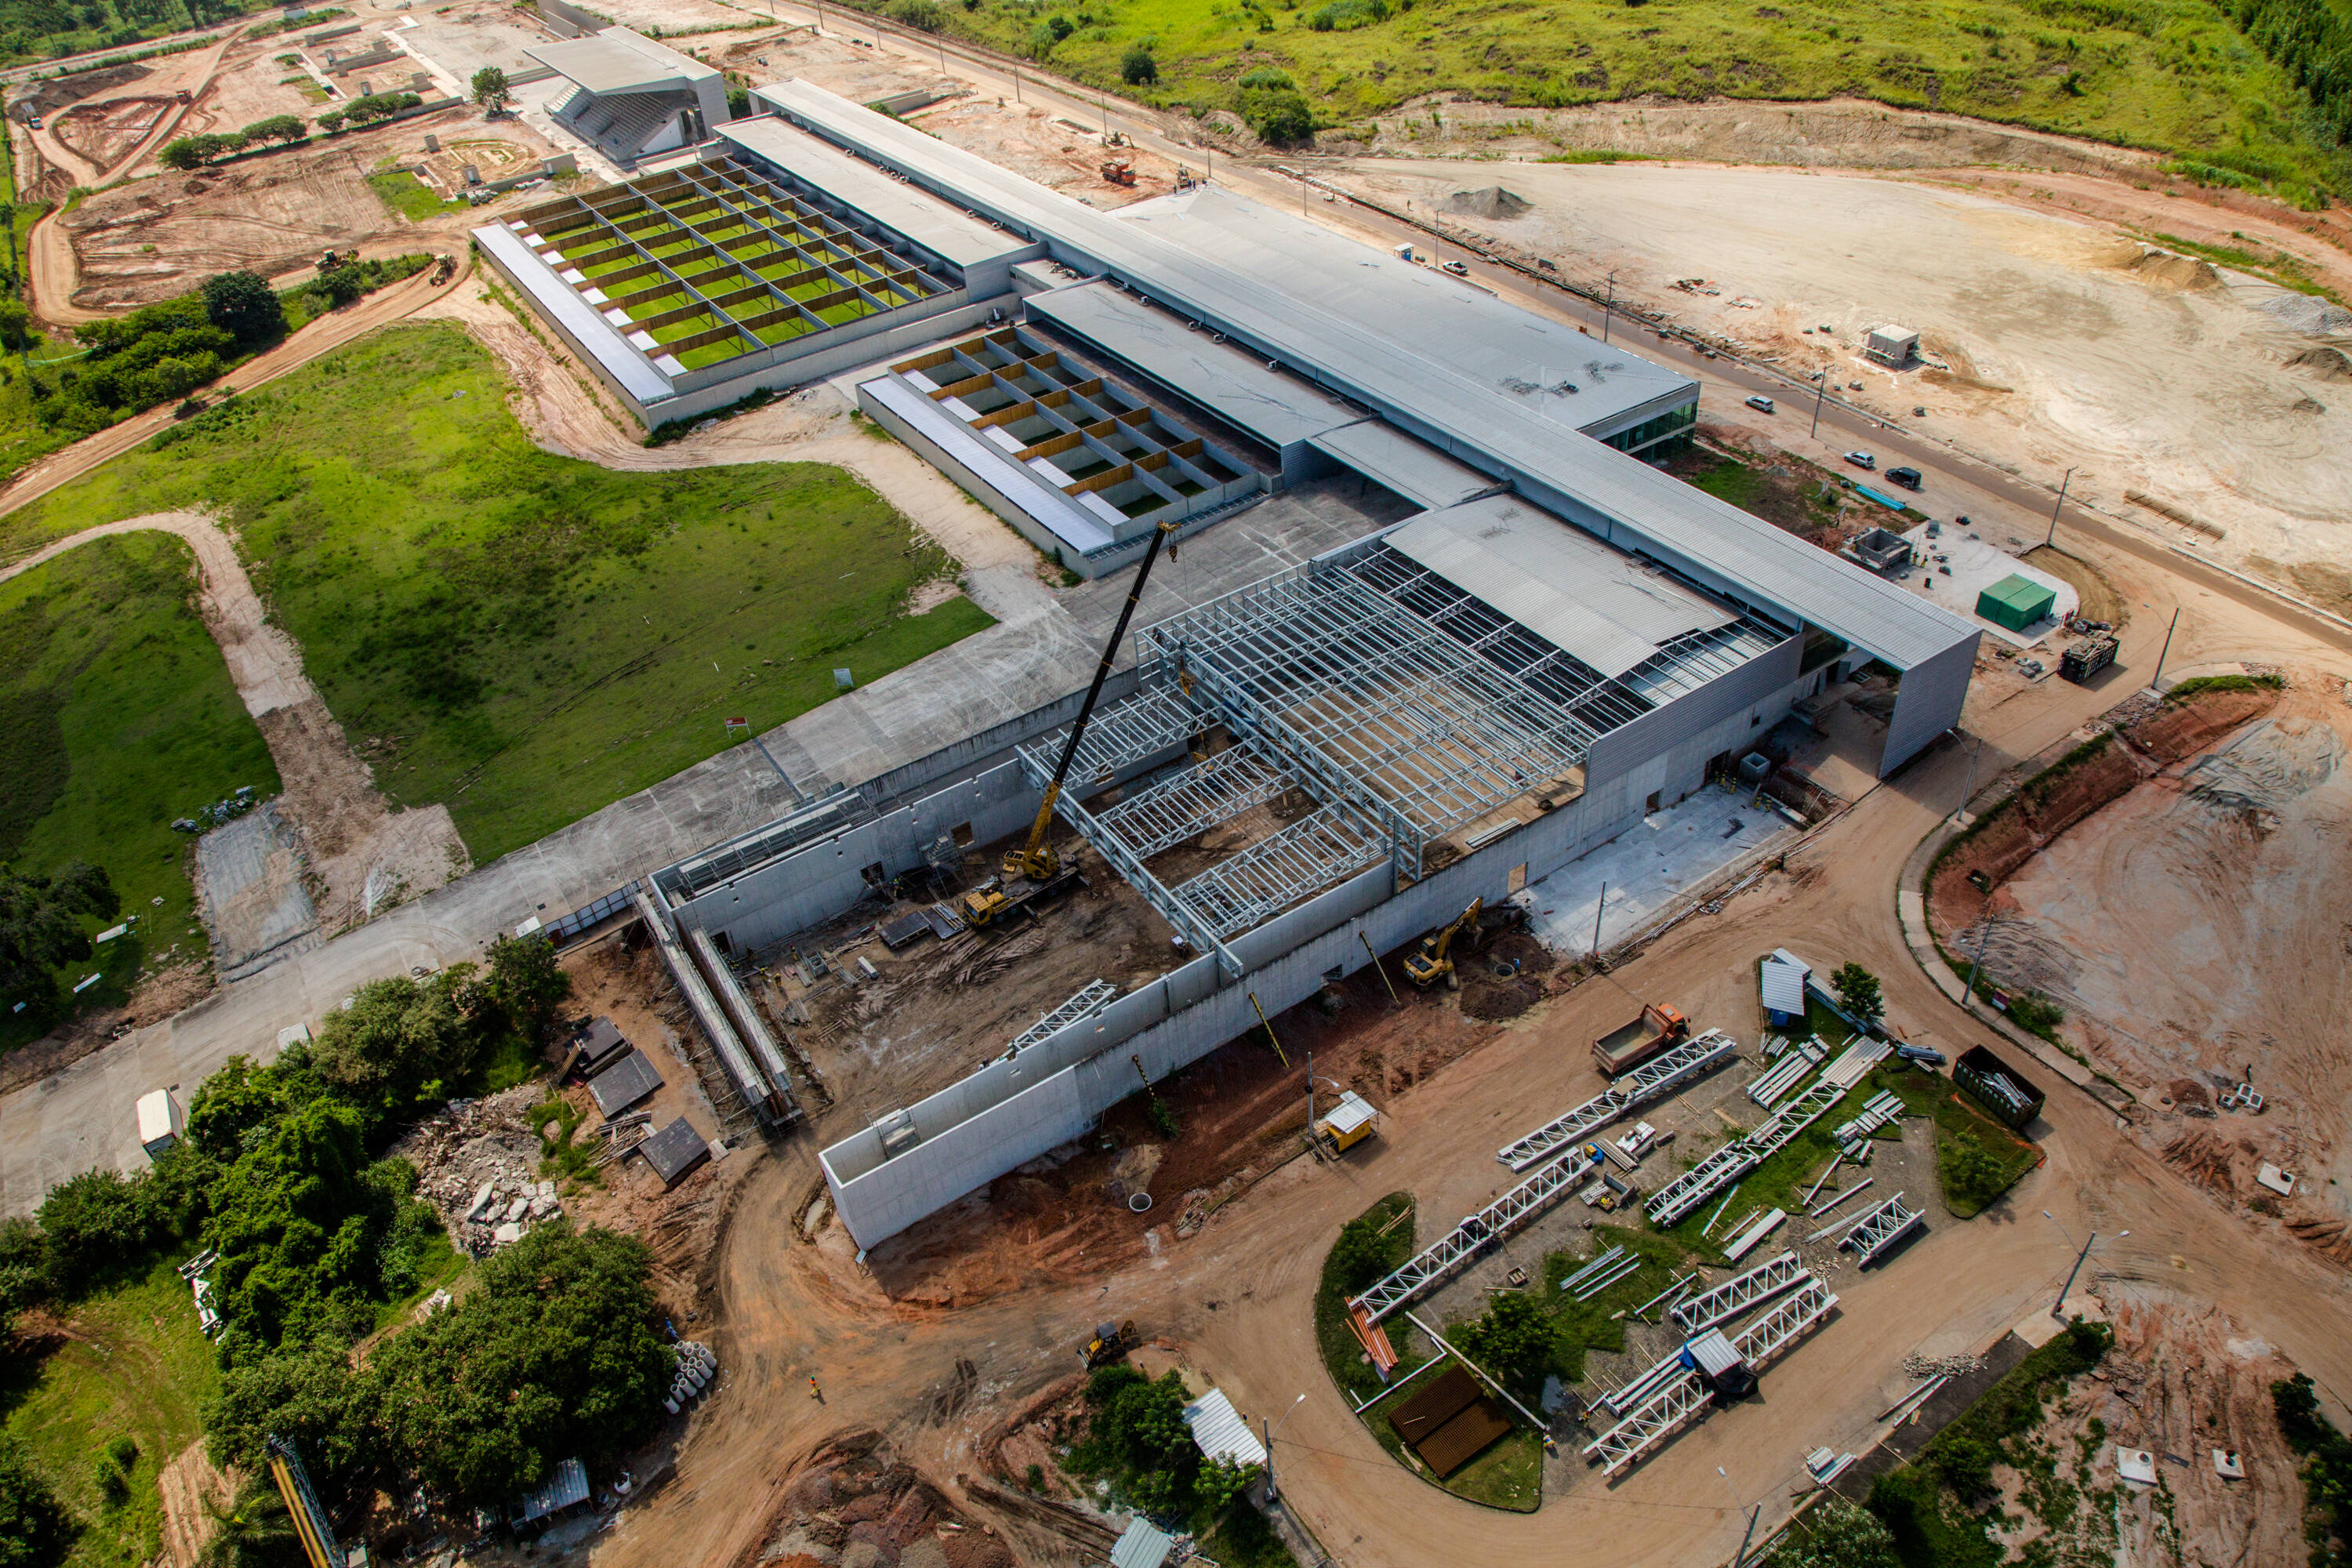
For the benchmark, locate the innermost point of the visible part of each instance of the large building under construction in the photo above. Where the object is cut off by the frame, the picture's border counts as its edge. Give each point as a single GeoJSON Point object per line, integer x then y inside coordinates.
{"type": "Point", "coordinates": [1557, 639]}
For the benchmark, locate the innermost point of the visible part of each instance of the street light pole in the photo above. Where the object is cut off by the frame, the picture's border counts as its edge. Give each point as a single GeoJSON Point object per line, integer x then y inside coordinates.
{"type": "Point", "coordinates": [2155, 682]}
{"type": "Point", "coordinates": [1970, 783]}
{"type": "Point", "coordinates": [1607, 305]}
{"type": "Point", "coordinates": [2068, 1288]}
{"type": "Point", "coordinates": [2054, 510]}
{"type": "Point", "coordinates": [1271, 1493]}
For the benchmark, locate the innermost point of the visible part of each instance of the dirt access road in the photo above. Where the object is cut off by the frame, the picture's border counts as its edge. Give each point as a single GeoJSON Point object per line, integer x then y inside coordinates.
{"type": "Point", "coordinates": [364, 854]}
{"type": "Point", "coordinates": [1235, 1301]}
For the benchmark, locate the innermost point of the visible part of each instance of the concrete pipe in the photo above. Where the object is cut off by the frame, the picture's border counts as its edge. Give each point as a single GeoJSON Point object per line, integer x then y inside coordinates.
{"type": "Point", "coordinates": [1138, 1202]}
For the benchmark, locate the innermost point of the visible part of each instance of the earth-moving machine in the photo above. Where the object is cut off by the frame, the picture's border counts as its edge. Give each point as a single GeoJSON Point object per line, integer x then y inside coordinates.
{"type": "Point", "coordinates": [1434, 960]}
{"type": "Point", "coordinates": [1110, 1342]}
{"type": "Point", "coordinates": [1036, 871]}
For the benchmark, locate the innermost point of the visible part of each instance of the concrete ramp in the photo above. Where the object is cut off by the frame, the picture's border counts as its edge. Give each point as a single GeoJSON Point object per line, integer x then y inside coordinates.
{"type": "Point", "coordinates": [250, 889]}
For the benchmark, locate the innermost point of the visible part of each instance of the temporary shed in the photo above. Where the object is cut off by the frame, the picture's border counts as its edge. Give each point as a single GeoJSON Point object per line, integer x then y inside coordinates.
{"type": "Point", "coordinates": [1714, 1358]}
{"type": "Point", "coordinates": [566, 1489]}
{"type": "Point", "coordinates": [1142, 1545]}
{"type": "Point", "coordinates": [626, 1083]}
{"type": "Point", "coordinates": [1782, 985]}
{"type": "Point", "coordinates": [1892, 345]}
{"type": "Point", "coordinates": [160, 1122]}
{"type": "Point", "coordinates": [1219, 1431]}
{"type": "Point", "coordinates": [675, 1150]}
{"type": "Point", "coordinates": [600, 1043]}
{"type": "Point", "coordinates": [2015, 602]}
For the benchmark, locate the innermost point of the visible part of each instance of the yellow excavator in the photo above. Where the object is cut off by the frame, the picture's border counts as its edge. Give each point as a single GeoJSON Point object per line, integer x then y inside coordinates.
{"type": "Point", "coordinates": [1432, 962]}
{"type": "Point", "coordinates": [1035, 871]}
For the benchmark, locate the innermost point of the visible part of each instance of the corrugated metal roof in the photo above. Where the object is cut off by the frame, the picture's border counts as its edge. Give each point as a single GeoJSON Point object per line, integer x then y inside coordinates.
{"type": "Point", "coordinates": [1141, 1544]}
{"type": "Point", "coordinates": [1621, 498]}
{"type": "Point", "coordinates": [1783, 985]}
{"type": "Point", "coordinates": [1279, 410]}
{"type": "Point", "coordinates": [1553, 371]}
{"type": "Point", "coordinates": [1052, 509]}
{"type": "Point", "coordinates": [575, 317]}
{"type": "Point", "coordinates": [945, 230]}
{"type": "Point", "coordinates": [617, 60]}
{"type": "Point", "coordinates": [568, 1485]}
{"type": "Point", "coordinates": [1219, 1431]}
{"type": "Point", "coordinates": [1394, 460]}
{"type": "Point", "coordinates": [624, 1083]}
{"type": "Point", "coordinates": [1352, 1112]}
{"type": "Point", "coordinates": [1601, 604]}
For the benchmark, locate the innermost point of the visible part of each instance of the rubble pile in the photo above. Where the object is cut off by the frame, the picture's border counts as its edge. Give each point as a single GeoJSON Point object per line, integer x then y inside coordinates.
{"type": "Point", "coordinates": [477, 1163]}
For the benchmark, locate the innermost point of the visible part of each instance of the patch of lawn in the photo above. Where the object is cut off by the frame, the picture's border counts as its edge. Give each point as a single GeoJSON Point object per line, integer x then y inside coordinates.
{"type": "Point", "coordinates": [115, 716]}
{"type": "Point", "coordinates": [523, 636]}
{"type": "Point", "coordinates": [1956, 1116]}
{"type": "Point", "coordinates": [1343, 1357]}
{"type": "Point", "coordinates": [2173, 75]}
{"type": "Point", "coordinates": [1509, 1474]}
{"type": "Point", "coordinates": [406, 195]}
{"type": "Point", "coordinates": [1242, 1538]}
{"type": "Point", "coordinates": [132, 1364]}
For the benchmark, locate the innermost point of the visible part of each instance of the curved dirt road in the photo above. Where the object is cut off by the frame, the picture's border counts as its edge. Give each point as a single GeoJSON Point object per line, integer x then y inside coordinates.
{"type": "Point", "coordinates": [324, 336]}
{"type": "Point", "coordinates": [1236, 1299]}
{"type": "Point", "coordinates": [348, 829]}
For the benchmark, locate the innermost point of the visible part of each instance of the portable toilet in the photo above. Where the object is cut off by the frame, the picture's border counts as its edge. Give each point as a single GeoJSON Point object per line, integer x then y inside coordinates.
{"type": "Point", "coordinates": [2016, 602]}
{"type": "Point", "coordinates": [160, 1122]}
{"type": "Point", "coordinates": [1348, 1123]}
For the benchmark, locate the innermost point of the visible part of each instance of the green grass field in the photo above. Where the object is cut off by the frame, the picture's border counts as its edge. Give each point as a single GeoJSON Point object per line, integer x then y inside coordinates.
{"type": "Point", "coordinates": [134, 1363]}
{"type": "Point", "coordinates": [115, 716]}
{"type": "Point", "coordinates": [525, 636]}
{"type": "Point", "coordinates": [2173, 75]}
{"type": "Point", "coordinates": [406, 195]}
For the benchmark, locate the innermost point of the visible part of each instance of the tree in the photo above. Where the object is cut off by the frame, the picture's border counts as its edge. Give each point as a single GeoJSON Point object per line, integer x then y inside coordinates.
{"type": "Point", "coordinates": [1360, 1256]}
{"type": "Point", "coordinates": [553, 1355]}
{"type": "Point", "coordinates": [96, 1223]}
{"type": "Point", "coordinates": [1836, 1535]}
{"type": "Point", "coordinates": [1138, 1431]}
{"type": "Point", "coordinates": [923, 16]}
{"type": "Point", "coordinates": [330, 123]}
{"type": "Point", "coordinates": [1857, 991]}
{"type": "Point", "coordinates": [1972, 1171]}
{"type": "Point", "coordinates": [525, 984]}
{"type": "Point", "coordinates": [182, 152]}
{"type": "Point", "coordinates": [255, 1531]}
{"type": "Point", "coordinates": [1136, 66]}
{"type": "Point", "coordinates": [398, 1045]}
{"type": "Point", "coordinates": [15, 324]}
{"type": "Point", "coordinates": [35, 1529]}
{"type": "Point", "coordinates": [244, 303]}
{"type": "Point", "coordinates": [490, 90]}
{"type": "Point", "coordinates": [1513, 1343]}
{"type": "Point", "coordinates": [277, 128]}
{"type": "Point", "coordinates": [1274, 106]}
{"type": "Point", "coordinates": [40, 926]}
{"type": "Point", "coordinates": [300, 1221]}
{"type": "Point", "coordinates": [305, 1393]}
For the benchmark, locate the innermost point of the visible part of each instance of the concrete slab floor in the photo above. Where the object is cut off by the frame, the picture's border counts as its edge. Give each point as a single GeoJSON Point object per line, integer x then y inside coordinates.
{"type": "Point", "coordinates": [1649, 865]}
{"type": "Point", "coordinates": [1976, 564]}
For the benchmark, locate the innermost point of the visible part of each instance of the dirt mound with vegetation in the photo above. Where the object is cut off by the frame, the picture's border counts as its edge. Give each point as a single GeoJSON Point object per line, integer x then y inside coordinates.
{"type": "Point", "coordinates": [2164, 270]}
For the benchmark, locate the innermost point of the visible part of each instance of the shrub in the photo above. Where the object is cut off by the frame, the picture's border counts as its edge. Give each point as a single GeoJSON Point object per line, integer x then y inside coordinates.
{"type": "Point", "coordinates": [332, 120]}
{"type": "Point", "coordinates": [924, 16]}
{"type": "Point", "coordinates": [398, 1045]}
{"type": "Point", "coordinates": [2326, 1466]}
{"type": "Point", "coordinates": [1136, 66]}
{"type": "Point", "coordinates": [1162, 1117]}
{"type": "Point", "coordinates": [284, 128]}
{"type": "Point", "coordinates": [1858, 991]}
{"type": "Point", "coordinates": [1137, 1433]}
{"type": "Point", "coordinates": [35, 1529]}
{"type": "Point", "coordinates": [97, 1224]}
{"type": "Point", "coordinates": [1279, 117]}
{"type": "Point", "coordinates": [1346, 15]}
{"type": "Point", "coordinates": [1513, 1342]}
{"type": "Point", "coordinates": [1969, 1169]}
{"type": "Point", "coordinates": [1836, 1535]}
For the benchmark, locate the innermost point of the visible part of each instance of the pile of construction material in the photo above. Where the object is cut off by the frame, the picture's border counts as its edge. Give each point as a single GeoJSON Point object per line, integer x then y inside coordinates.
{"type": "Point", "coordinates": [697, 1369]}
{"type": "Point", "coordinates": [477, 1163]}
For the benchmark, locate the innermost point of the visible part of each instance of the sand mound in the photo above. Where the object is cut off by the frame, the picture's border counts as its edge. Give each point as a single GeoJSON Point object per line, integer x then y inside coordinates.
{"type": "Point", "coordinates": [2166, 271]}
{"type": "Point", "coordinates": [1494, 202]}
{"type": "Point", "coordinates": [2326, 363]}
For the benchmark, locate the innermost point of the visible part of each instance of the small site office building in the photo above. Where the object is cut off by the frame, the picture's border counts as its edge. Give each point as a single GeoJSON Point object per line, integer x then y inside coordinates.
{"type": "Point", "coordinates": [1559, 640]}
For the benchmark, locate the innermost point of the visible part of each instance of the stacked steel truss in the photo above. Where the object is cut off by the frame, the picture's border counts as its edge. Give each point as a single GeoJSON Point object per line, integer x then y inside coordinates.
{"type": "Point", "coordinates": [1438, 1261]}
{"type": "Point", "coordinates": [1742, 1294]}
{"type": "Point", "coordinates": [1883, 1108]}
{"type": "Point", "coordinates": [1880, 1230]}
{"type": "Point", "coordinates": [1670, 1204]}
{"type": "Point", "coordinates": [1684, 1399]}
{"type": "Point", "coordinates": [1661, 1075]}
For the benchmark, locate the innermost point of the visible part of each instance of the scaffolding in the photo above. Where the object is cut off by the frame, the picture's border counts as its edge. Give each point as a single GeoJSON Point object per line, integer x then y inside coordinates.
{"type": "Point", "coordinates": [1661, 1075]}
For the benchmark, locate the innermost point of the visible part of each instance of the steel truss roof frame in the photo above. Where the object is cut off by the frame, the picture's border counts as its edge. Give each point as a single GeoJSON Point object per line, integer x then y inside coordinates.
{"type": "Point", "coordinates": [1117, 737]}
{"type": "Point", "coordinates": [1261, 881]}
{"type": "Point", "coordinates": [1435, 1263]}
{"type": "Point", "coordinates": [1091, 998]}
{"type": "Point", "coordinates": [1399, 716]}
{"type": "Point", "coordinates": [1672, 1203]}
{"type": "Point", "coordinates": [1879, 1229]}
{"type": "Point", "coordinates": [1734, 1296]}
{"type": "Point", "coordinates": [1680, 1401]}
{"type": "Point", "coordinates": [1190, 803]}
{"type": "Point", "coordinates": [1661, 1075]}
{"type": "Point", "coordinates": [1173, 910]}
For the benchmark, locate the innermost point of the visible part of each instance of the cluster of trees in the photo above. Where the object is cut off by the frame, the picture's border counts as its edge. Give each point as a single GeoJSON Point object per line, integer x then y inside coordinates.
{"type": "Point", "coordinates": [195, 152]}
{"type": "Point", "coordinates": [1137, 1435]}
{"type": "Point", "coordinates": [365, 110]}
{"type": "Point", "coordinates": [1514, 1342]}
{"type": "Point", "coordinates": [161, 352]}
{"type": "Point", "coordinates": [2326, 1456]}
{"type": "Point", "coordinates": [2312, 40]}
{"type": "Point", "coordinates": [1836, 1535]}
{"type": "Point", "coordinates": [1274, 106]}
{"type": "Point", "coordinates": [41, 926]}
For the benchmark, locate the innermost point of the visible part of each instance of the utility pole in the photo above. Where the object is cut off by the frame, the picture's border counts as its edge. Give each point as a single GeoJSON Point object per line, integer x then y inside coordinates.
{"type": "Point", "coordinates": [1607, 305]}
{"type": "Point", "coordinates": [1819, 396]}
{"type": "Point", "coordinates": [1970, 783]}
{"type": "Point", "coordinates": [1739, 1557]}
{"type": "Point", "coordinates": [2062, 502]}
{"type": "Point", "coordinates": [1596, 921]}
{"type": "Point", "coordinates": [2067, 1288]}
{"type": "Point", "coordinates": [1967, 999]}
{"type": "Point", "coordinates": [2155, 682]}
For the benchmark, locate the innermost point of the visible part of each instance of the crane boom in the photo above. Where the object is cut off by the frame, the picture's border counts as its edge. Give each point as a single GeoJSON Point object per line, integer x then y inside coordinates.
{"type": "Point", "coordinates": [1037, 860]}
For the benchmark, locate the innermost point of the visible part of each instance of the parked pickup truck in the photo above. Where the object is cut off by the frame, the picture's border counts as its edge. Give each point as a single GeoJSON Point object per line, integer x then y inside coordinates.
{"type": "Point", "coordinates": [1623, 1049]}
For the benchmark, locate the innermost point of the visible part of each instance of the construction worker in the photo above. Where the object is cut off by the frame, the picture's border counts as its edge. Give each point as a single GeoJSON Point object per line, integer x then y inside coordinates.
{"type": "Point", "coordinates": [814, 1392]}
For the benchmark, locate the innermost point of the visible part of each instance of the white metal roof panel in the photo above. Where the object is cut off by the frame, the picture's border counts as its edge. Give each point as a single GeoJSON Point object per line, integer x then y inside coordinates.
{"type": "Point", "coordinates": [1394, 460]}
{"type": "Point", "coordinates": [617, 60]}
{"type": "Point", "coordinates": [578, 318]}
{"type": "Point", "coordinates": [1783, 987]}
{"type": "Point", "coordinates": [1278, 409]}
{"type": "Point", "coordinates": [1552, 370]}
{"type": "Point", "coordinates": [1614, 495]}
{"type": "Point", "coordinates": [1219, 1431]}
{"type": "Point", "coordinates": [1068, 521]}
{"type": "Point", "coordinates": [1601, 604]}
{"type": "Point", "coordinates": [156, 1116]}
{"type": "Point", "coordinates": [1141, 1545]}
{"type": "Point", "coordinates": [1352, 1112]}
{"type": "Point", "coordinates": [566, 1487]}
{"type": "Point", "coordinates": [942, 230]}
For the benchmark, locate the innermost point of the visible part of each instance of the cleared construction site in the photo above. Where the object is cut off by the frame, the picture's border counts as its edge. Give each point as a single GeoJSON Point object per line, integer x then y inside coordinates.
{"type": "Point", "coordinates": [1294, 778]}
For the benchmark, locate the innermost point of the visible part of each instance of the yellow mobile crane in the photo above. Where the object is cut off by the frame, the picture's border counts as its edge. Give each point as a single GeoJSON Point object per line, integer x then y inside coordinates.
{"type": "Point", "coordinates": [1035, 871]}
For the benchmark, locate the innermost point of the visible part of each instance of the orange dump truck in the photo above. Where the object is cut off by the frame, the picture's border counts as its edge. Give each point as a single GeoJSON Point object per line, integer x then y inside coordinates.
{"type": "Point", "coordinates": [1632, 1044]}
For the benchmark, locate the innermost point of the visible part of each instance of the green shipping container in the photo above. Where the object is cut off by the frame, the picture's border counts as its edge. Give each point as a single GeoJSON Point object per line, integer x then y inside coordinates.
{"type": "Point", "coordinates": [2015, 602]}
